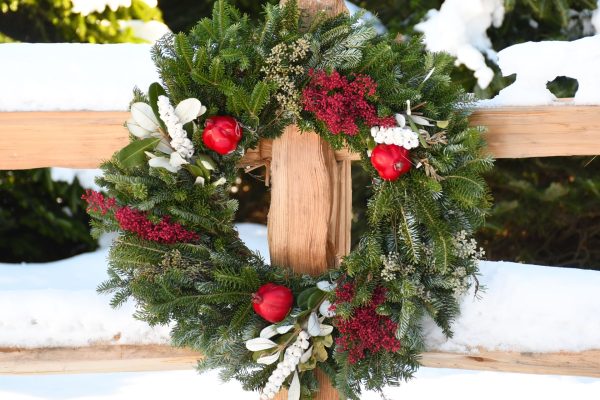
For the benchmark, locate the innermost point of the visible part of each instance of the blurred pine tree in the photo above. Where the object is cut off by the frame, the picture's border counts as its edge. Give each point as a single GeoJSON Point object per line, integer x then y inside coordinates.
{"type": "Point", "coordinates": [42, 220]}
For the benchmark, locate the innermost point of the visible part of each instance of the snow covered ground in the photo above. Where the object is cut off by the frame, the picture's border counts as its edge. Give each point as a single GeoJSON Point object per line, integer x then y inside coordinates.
{"type": "Point", "coordinates": [56, 304]}
{"type": "Point", "coordinates": [187, 385]}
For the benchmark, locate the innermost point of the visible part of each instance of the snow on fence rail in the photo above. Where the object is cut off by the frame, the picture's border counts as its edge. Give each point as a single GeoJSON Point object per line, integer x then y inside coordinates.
{"type": "Point", "coordinates": [75, 111]}
{"type": "Point", "coordinates": [73, 117]}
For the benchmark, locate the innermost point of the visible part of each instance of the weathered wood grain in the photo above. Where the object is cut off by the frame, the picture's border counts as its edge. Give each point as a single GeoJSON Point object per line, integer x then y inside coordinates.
{"type": "Point", "coordinates": [93, 359]}
{"type": "Point", "coordinates": [540, 131]}
{"type": "Point", "coordinates": [84, 139]}
{"type": "Point", "coordinates": [132, 358]}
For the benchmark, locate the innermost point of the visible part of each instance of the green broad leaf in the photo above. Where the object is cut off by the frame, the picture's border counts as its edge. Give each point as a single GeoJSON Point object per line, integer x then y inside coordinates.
{"type": "Point", "coordinates": [154, 92]}
{"type": "Point", "coordinates": [315, 298]}
{"type": "Point", "coordinates": [442, 124]}
{"type": "Point", "coordinates": [197, 171]}
{"type": "Point", "coordinates": [133, 154]}
{"type": "Point", "coordinates": [304, 296]}
{"type": "Point", "coordinates": [413, 126]}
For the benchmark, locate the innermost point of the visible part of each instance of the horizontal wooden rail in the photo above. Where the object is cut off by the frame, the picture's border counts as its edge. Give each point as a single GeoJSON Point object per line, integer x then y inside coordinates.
{"type": "Point", "coordinates": [131, 358]}
{"type": "Point", "coordinates": [85, 139]}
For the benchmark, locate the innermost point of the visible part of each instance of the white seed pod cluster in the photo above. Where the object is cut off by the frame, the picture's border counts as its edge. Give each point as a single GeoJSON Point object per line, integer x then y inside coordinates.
{"type": "Point", "coordinates": [290, 362]}
{"type": "Point", "coordinates": [179, 140]}
{"type": "Point", "coordinates": [400, 136]}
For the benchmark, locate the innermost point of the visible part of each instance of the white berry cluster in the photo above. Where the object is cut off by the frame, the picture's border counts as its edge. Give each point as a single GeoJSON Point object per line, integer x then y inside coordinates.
{"type": "Point", "coordinates": [179, 140]}
{"type": "Point", "coordinates": [467, 248]}
{"type": "Point", "coordinates": [290, 361]}
{"type": "Point", "coordinates": [400, 136]}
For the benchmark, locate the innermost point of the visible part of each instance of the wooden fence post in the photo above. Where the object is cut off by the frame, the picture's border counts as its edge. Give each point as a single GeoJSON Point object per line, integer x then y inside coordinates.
{"type": "Point", "coordinates": [311, 198]}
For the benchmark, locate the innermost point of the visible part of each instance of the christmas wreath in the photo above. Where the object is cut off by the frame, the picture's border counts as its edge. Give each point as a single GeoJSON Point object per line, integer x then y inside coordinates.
{"type": "Point", "coordinates": [231, 82]}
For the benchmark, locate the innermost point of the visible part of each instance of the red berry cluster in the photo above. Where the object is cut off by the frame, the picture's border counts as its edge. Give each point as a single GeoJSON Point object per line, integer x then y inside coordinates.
{"type": "Point", "coordinates": [163, 232]}
{"type": "Point", "coordinates": [365, 330]}
{"type": "Point", "coordinates": [137, 222]}
{"type": "Point", "coordinates": [97, 202]}
{"type": "Point", "coordinates": [341, 104]}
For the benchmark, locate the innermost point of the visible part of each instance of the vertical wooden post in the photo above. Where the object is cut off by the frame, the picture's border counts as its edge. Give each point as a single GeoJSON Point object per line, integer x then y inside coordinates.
{"type": "Point", "coordinates": [311, 198]}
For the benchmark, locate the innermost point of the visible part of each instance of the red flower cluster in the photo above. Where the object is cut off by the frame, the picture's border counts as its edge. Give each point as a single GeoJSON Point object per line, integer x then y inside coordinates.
{"type": "Point", "coordinates": [164, 232]}
{"type": "Point", "coordinates": [340, 103]}
{"type": "Point", "coordinates": [137, 222]}
{"type": "Point", "coordinates": [97, 202]}
{"type": "Point", "coordinates": [366, 330]}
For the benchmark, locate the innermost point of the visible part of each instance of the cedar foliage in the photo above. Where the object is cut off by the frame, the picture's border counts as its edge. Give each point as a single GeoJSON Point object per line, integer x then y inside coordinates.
{"type": "Point", "coordinates": [206, 287]}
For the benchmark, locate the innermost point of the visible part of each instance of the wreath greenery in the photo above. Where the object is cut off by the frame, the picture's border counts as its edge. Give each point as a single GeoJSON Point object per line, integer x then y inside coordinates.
{"type": "Point", "coordinates": [167, 194]}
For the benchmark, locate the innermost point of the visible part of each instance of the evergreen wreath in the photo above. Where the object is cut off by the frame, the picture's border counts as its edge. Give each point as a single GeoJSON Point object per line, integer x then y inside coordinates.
{"type": "Point", "coordinates": [178, 253]}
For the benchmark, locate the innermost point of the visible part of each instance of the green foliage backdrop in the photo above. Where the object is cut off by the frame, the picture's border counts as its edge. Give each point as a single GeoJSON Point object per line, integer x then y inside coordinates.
{"type": "Point", "coordinates": [41, 220]}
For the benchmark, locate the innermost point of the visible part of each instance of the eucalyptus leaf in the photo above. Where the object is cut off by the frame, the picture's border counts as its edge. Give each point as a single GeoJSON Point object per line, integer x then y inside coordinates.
{"type": "Point", "coordinates": [133, 155]}
{"type": "Point", "coordinates": [206, 162]}
{"type": "Point", "coordinates": [284, 329]}
{"type": "Point", "coordinates": [326, 286]}
{"type": "Point", "coordinates": [259, 344]}
{"type": "Point", "coordinates": [313, 325]}
{"type": "Point", "coordinates": [270, 359]}
{"type": "Point", "coordinates": [268, 332]}
{"type": "Point", "coordinates": [188, 110]}
{"type": "Point", "coordinates": [143, 116]}
{"type": "Point", "coordinates": [294, 390]}
{"type": "Point", "coordinates": [307, 354]}
{"type": "Point", "coordinates": [326, 330]}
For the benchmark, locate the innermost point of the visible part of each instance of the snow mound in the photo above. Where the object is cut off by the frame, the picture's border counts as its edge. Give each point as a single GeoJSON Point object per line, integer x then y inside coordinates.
{"type": "Point", "coordinates": [97, 77]}
{"type": "Point", "coordinates": [86, 177]}
{"type": "Point", "coordinates": [459, 28]}
{"type": "Point", "coordinates": [526, 308]}
{"type": "Point", "coordinates": [537, 63]}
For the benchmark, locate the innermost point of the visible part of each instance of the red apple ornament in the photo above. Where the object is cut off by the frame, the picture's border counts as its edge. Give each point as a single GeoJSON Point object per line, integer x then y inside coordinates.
{"type": "Point", "coordinates": [222, 134]}
{"type": "Point", "coordinates": [273, 302]}
{"type": "Point", "coordinates": [390, 161]}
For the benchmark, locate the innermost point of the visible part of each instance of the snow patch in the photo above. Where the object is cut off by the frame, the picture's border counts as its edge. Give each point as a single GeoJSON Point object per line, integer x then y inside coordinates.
{"type": "Point", "coordinates": [72, 76]}
{"type": "Point", "coordinates": [148, 31]}
{"type": "Point", "coordinates": [526, 308]}
{"type": "Point", "coordinates": [86, 177]}
{"type": "Point", "coordinates": [459, 28]}
{"type": "Point", "coordinates": [596, 18]}
{"type": "Point", "coordinates": [86, 7]}
{"type": "Point", "coordinates": [537, 63]}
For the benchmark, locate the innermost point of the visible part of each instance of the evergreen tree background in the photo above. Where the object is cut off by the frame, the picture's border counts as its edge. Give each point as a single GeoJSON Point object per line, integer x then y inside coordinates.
{"type": "Point", "coordinates": [42, 220]}
{"type": "Point", "coordinates": [564, 192]}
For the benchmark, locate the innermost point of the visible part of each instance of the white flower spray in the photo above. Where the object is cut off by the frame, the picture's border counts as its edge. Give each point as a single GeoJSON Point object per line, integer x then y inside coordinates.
{"type": "Point", "coordinates": [291, 359]}
{"type": "Point", "coordinates": [179, 140]}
